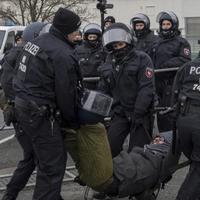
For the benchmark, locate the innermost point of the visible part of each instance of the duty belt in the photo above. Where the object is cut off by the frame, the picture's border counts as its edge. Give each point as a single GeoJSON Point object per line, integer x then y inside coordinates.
{"type": "Point", "coordinates": [29, 105]}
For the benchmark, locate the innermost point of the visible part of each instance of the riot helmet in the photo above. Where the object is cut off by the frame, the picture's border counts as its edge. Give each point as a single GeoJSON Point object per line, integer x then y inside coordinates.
{"type": "Point", "coordinates": [108, 21]}
{"type": "Point", "coordinates": [118, 40]}
{"type": "Point", "coordinates": [140, 18]}
{"type": "Point", "coordinates": [35, 29]}
{"type": "Point", "coordinates": [169, 16]}
{"type": "Point", "coordinates": [117, 32]}
{"type": "Point", "coordinates": [92, 34]}
{"type": "Point", "coordinates": [18, 37]}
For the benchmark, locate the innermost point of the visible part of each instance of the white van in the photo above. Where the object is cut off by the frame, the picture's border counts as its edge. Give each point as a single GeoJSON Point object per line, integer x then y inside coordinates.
{"type": "Point", "coordinates": [7, 38]}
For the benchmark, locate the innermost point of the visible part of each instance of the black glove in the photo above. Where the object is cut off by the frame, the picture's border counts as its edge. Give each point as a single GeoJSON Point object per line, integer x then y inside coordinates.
{"type": "Point", "coordinates": [9, 114]}
{"type": "Point", "coordinates": [138, 120]}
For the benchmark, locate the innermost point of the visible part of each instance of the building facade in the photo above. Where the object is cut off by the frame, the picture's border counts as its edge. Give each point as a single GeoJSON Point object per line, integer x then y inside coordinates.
{"type": "Point", "coordinates": [187, 12]}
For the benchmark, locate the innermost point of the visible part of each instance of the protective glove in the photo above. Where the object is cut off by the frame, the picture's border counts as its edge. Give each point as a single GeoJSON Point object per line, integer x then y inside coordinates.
{"type": "Point", "coordinates": [9, 114]}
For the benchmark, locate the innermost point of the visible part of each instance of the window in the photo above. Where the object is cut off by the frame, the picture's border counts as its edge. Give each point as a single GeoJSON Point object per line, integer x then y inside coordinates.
{"type": "Point", "coordinates": [10, 42]}
{"type": "Point", "coordinates": [192, 30]}
{"type": "Point", "coordinates": [193, 26]}
{"type": "Point", "coordinates": [2, 34]}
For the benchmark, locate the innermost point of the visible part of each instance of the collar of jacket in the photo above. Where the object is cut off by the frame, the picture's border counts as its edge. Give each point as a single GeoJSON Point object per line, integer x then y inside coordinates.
{"type": "Point", "coordinates": [130, 55]}
{"type": "Point", "coordinates": [54, 31]}
{"type": "Point", "coordinates": [86, 43]}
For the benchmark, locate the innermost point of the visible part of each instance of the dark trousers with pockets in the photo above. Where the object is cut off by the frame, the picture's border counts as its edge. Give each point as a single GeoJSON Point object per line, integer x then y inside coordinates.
{"type": "Point", "coordinates": [119, 129]}
{"type": "Point", "coordinates": [48, 147]}
{"type": "Point", "coordinates": [189, 133]}
{"type": "Point", "coordinates": [25, 167]}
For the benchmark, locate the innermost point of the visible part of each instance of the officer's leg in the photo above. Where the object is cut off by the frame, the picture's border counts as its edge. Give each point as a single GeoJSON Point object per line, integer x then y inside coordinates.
{"type": "Point", "coordinates": [165, 122]}
{"type": "Point", "coordinates": [25, 167]}
{"type": "Point", "coordinates": [139, 136]}
{"type": "Point", "coordinates": [189, 129]}
{"type": "Point", "coordinates": [190, 187]}
{"type": "Point", "coordinates": [48, 147]}
{"type": "Point", "coordinates": [185, 135]}
{"type": "Point", "coordinates": [118, 131]}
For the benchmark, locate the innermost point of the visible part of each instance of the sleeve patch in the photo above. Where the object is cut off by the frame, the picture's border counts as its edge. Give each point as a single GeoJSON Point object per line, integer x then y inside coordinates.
{"type": "Point", "coordinates": [186, 51]}
{"type": "Point", "coordinates": [149, 72]}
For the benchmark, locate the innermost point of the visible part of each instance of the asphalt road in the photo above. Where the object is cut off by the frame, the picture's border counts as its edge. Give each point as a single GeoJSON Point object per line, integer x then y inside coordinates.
{"type": "Point", "coordinates": [10, 154]}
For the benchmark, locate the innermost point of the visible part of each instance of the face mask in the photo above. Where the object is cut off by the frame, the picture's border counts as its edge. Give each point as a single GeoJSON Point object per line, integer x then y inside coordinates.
{"type": "Point", "coordinates": [93, 43]}
{"type": "Point", "coordinates": [167, 33]}
{"type": "Point", "coordinates": [120, 54]}
{"type": "Point", "coordinates": [140, 33]}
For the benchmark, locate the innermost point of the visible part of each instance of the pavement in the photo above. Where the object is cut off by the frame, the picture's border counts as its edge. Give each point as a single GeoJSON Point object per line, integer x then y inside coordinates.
{"type": "Point", "coordinates": [11, 153]}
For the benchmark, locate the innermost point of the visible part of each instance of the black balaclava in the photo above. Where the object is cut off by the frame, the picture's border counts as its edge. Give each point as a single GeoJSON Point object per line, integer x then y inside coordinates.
{"type": "Point", "coordinates": [140, 33]}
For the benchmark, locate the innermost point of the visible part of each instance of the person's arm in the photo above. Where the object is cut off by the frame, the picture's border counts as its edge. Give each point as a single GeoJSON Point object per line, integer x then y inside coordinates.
{"type": "Point", "coordinates": [106, 81]}
{"type": "Point", "coordinates": [177, 84]}
{"type": "Point", "coordinates": [145, 87]}
{"type": "Point", "coordinates": [66, 94]}
{"type": "Point", "coordinates": [183, 56]}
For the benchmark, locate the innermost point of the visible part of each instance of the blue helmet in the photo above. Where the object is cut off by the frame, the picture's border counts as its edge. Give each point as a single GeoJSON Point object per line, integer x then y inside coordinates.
{"type": "Point", "coordinates": [35, 29]}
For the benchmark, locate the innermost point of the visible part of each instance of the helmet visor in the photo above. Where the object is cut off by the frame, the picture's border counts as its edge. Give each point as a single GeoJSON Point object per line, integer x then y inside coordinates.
{"type": "Point", "coordinates": [140, 18]}
{"type": "Point", "coordinates": [45, 29]}
{"type": "Point", "coordinates": [116, 35]}
{"type": "Point", "coordinates": [171, 15]}
{"type": "Point", "coordinates": [92, 26]}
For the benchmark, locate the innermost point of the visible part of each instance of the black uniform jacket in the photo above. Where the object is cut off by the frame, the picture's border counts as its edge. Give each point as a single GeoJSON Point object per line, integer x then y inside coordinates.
{"type": "Point", "coordinates": [129, 83]}
{"type": "Point", "coordinates": [90, 58]}
{"type": "Point", "coordinates": [168, 53]}
{"type": "Point", "coordinates": [48, 73]}
{"type": "Point", "coordinates": [145, 43]}
{"type": "Point", "coordinates": [187, 82]}
{"type": "Point", "coordinates": [8, 70]}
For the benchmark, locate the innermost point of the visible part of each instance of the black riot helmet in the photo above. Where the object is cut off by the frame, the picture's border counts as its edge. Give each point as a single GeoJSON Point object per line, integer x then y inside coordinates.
{"type": "Point", "coordinates": [170, 16]}
{"type": "Point", "coordinates": [140, 18]}
{"type": "Point", "coordinates": [92, 29]}
{"type": "Point", "coordinates": [35, 29]}
{"type": "Point", "coordinates": [117, 32]}
{"type": "Point", "coordinates": [109, 19]}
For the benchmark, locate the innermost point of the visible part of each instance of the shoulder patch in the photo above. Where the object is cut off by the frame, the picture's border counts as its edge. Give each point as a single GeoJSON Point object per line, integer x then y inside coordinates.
{"type": "Point", "coordinates": [186, 51]}
{"type": "Point", "coordinates": [149, 72]}
{"type": "Point", "coordinates": [31, 48]}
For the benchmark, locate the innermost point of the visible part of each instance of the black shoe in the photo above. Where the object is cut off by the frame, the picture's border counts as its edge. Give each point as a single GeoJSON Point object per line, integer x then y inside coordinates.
{"type": "Point", "coordinates": [6, 196]}
{"type": "Point", "coordinates": [100, 195]}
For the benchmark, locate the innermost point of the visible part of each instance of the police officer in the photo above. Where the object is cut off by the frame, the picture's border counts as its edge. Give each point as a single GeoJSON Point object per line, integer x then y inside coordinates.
{"type": "Point", "coordinates": [90, 53]}
{"type": "Point", "coordinates": [169, 51]}
{"type": "Point", "coordinates": [187, 96]}
{"type": "Point", "coordinates": [127, 76]}
{"type": "Point", "coordinates": [18, 37]}
{"type": "Point", "coordinates": [109, 20]}
{"type": "Point", "coordinates": [27, 165]}
{"type": "Point", "coordinates": [45, 83]}
{"type": "Point", "coordinates": [78, 38]}
{"type": "Point", "coordinates": [145, 36]}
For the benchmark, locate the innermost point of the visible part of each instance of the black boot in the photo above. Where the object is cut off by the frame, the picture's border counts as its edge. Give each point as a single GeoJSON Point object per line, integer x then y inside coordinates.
{"type": "Point", "coordinates": [101, 195]}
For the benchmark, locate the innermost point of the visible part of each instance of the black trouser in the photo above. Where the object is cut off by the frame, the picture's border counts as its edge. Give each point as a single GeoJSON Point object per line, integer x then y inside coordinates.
{"type": "Point", "coordinates": [25, 167]}
{"type": "Point", "coordinates": [48, 147]}
{"type": "Point", "coordinates": [189, 133]}
{"type": "Point", "coordinates": [119, 128]}
{"type": "Point", "coordinates": [164, 92]}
